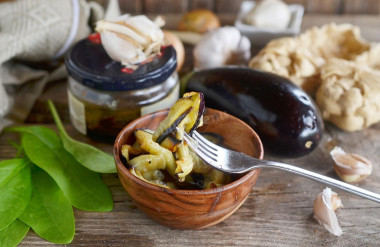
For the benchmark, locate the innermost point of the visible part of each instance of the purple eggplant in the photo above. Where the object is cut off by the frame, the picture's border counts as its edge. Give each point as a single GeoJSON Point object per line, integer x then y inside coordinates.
{"type": "Point", "coordinates": [284, 116]}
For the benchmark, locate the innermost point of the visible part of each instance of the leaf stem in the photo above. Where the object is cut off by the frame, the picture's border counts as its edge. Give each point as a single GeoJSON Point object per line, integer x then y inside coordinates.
{"type": "Point", "coordinates": [57, 119]}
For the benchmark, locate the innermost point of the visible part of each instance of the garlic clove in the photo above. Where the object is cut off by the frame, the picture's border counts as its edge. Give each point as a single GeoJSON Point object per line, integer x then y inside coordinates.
{"type": "Point", "coordinates": [222, 46]}
{"type": "Point", "coordinates": [324, 206]}
{"type": "Point", "coordinates": [116, 43]}
{"type": "Point", "coordinates": [351, 168]}
{"type": "Point", "coordinates": [130, 39]}
{"type": "Point", "coordinates": [145, 27]}
{"type": "Point", "coordinates": [269, 13]}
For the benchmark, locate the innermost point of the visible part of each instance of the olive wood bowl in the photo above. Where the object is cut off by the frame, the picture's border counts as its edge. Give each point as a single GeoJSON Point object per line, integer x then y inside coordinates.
{"type": "Point", "coordinates": [191, 209]}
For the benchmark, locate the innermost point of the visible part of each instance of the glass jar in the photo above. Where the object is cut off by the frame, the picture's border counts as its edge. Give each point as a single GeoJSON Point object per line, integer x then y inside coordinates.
{"type": "Point", "coordinates": [104, 96]}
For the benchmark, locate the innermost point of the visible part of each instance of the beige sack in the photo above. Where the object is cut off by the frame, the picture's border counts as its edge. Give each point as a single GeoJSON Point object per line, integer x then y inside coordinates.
{"type": "Point", "coordinates": [36, 30]}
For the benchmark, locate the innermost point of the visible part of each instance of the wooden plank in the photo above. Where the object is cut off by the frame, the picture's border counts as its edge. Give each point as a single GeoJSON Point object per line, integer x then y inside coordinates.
{"type": "Point", "coordinates": [361, 7]}
{"type": "Point", "coordinates": [165, 6]}
{"type": "Point", "coordinates": [369, 25]}
{"type": "Point", "coordinates": [227, 6]}
{"type": "Point", "coordinates": [324, 6]}
{"type": "Point", "coordinates": [131, 6]}
{"type": "Point", "coordinates": [202, 4]}
{"type": "Point", "coordinates": [277, 213]}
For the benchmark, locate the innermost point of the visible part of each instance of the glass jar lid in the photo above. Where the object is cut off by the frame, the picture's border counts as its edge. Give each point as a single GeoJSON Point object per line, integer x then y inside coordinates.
{"type": "Point", "coordinates": [89, 64]}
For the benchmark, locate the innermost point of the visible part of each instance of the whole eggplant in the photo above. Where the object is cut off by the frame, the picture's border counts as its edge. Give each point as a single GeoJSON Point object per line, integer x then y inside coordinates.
{"type": "Point", "coordinates": [283, 115]}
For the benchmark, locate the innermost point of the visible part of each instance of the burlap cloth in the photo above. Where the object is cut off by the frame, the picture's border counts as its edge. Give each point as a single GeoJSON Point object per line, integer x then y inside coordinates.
{"type": "Point", "coordinates": [35, 31]}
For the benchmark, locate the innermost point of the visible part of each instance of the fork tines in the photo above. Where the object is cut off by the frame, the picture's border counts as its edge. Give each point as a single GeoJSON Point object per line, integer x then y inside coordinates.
{"type": "Point", "coordinates": [205, 149]}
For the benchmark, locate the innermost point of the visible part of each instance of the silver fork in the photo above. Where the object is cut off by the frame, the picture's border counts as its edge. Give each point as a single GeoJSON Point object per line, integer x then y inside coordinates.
{"type": "Point", "coordinates": [234, 162]}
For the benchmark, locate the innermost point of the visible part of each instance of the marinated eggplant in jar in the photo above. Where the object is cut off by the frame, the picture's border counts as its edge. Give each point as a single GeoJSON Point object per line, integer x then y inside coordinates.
{"type": "Point", "coordinates": [283, 115]}
{"type": "Point", "coordinates": [162, 157]}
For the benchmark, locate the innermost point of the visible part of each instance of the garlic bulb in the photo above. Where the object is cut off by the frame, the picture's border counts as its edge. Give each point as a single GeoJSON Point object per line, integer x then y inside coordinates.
{"type": "Point", "coordinates": [130, 39]}
{"type": "Point", "coordinates": [351, 168]}
{"type": "Point", "coordinates": [220, 47]}
{"type": "Point", "coordinates": [324, 206]}
{"type": "Point", "coordinates": [269, 13]}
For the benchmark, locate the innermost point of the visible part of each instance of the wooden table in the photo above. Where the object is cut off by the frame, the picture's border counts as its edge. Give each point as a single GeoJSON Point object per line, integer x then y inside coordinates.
{"type": "Point", "coordinates": [278, 212]}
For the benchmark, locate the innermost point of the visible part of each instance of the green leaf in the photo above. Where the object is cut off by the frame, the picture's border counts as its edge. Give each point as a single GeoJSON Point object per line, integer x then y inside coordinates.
{"type": "Point", "coordinates": [83, 188]}
{"type": "Point", "coordinates": [15, 189]}
{"type": "Point", "coordinates": [17, 147]}
{"type": "Point", "coordinates": [89, 156]}
{"type": "Point", "coordinates": [13, 234]}
{"type": "Point", "coordinates": [49, 213]}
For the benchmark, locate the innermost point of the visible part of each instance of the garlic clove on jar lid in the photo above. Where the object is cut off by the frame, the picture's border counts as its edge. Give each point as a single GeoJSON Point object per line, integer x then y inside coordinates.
{"type": "Point", "coordinates": [351, 168]}
{"type": "Point", "coordinates": [324, 210]}
{"type": "Point", "coordinates": [130, 39]}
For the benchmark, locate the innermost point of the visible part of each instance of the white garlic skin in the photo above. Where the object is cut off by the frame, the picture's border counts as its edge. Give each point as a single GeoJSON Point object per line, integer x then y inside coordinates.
{"type": "Point", "coordinates": [269, 14]}
{"type": "Point", "coordinates": [223, 46]}
{"type": "Point", "coordinates": [351, 168]}
{"type": "Point", "coordinates": [324, 206]}
{"type": "Point", "coordinates": [130, 39]}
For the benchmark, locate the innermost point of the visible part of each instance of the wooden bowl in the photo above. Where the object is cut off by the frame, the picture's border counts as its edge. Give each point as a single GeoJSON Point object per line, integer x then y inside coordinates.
{"type": "Point", "coordinates": [192, 209]}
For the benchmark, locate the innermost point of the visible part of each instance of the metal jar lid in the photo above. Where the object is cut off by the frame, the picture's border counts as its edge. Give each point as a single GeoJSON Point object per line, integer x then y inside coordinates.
{"type": "Point", "coordinates": [89, 64]}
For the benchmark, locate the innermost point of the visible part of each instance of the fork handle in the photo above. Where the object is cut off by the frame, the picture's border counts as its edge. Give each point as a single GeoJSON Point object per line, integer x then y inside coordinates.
{"type": "Point", "coordinates": [323, 179]}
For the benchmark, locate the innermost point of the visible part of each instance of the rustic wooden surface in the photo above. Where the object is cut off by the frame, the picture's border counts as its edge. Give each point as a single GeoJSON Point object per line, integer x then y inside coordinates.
{"type": "Point", "coordinates": [278, 212]}
{"type": "Point", "coordinates": [371, 7]}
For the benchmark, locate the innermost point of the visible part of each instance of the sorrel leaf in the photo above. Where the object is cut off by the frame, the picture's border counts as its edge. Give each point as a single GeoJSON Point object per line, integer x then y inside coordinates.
{"type": "Point", "coordinates": [83, 188]}
{"type": "Point", "coordinates": [89, 156]}
{"type": "Point", "coordinates": [15, 189]}
{"type": "Point", "coordinates": [13, 234]}
{"type": "Point", "coordinates": [49, 213]}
